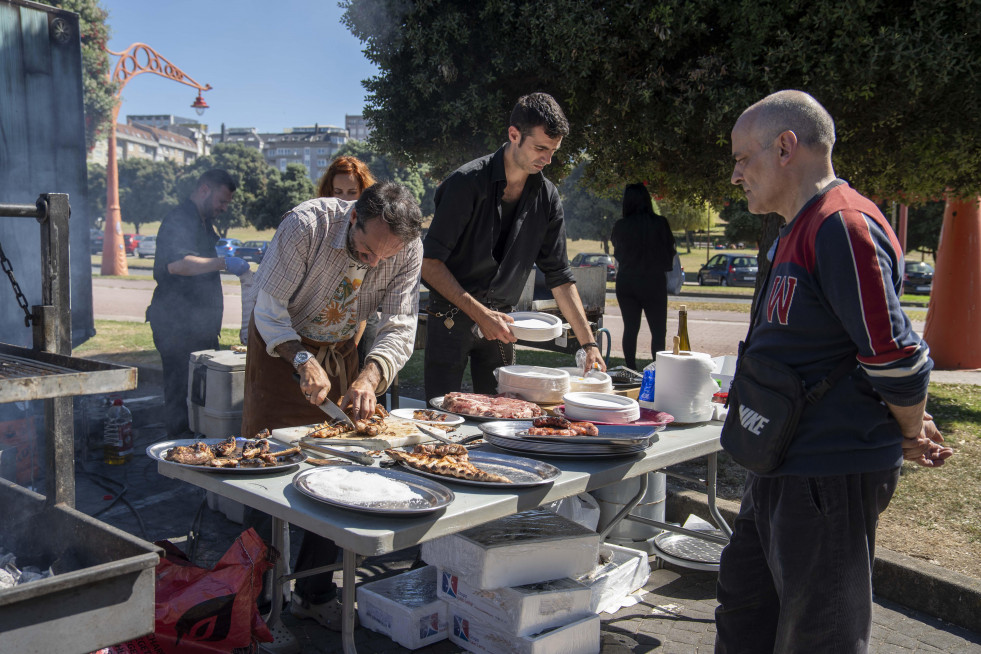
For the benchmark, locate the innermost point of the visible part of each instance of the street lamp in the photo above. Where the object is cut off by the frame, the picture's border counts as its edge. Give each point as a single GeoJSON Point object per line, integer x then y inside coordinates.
{"type": "Point", "coordinates": [137, 58]}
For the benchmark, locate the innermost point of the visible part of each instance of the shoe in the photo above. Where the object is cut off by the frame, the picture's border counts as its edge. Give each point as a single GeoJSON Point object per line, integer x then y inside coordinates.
{"type": "Point", "coordinates": [328, 614]}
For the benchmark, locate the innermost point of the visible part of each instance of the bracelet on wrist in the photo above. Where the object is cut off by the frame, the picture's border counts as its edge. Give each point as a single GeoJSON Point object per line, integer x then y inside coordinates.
{"type": "Point", "coordinates": [585, 345]}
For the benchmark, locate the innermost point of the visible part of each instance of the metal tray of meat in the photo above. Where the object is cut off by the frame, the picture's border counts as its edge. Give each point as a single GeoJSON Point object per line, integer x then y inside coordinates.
{"type": "Point", "coordinates": [561, 450]}
{"type": "Point", "coordinates": [521, 471]}
{"type": "Point", "coordinates": [432, 495]}
{"type": "Point", "coordinates": [437, 403]}
{"type": "Point", "coordinates": [159, 450]}
{"type": "Point", "coordinates": [611, 435]}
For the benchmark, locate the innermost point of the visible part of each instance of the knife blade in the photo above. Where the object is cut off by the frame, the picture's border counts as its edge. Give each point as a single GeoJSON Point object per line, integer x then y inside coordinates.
{"type": "Point", "coordinates": [330, 408]}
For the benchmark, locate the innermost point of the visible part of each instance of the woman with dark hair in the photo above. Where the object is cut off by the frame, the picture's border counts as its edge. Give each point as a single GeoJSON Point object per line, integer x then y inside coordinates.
{"type": "Point", "coordinates": [643, 246]}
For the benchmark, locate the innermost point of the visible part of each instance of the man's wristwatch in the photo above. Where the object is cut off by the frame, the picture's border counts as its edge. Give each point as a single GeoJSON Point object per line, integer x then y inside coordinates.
{"type": "Point", "coordinates": [301, 357]}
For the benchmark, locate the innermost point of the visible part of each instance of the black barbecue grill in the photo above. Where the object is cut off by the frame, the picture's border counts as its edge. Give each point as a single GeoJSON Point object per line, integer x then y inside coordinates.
{"type": "Point", "coordinates": [102, 589]}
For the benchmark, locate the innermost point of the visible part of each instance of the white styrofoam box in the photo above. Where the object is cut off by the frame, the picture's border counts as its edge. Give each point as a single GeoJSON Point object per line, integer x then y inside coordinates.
{"type": "Point", "coordinates": [621, 571]}
{"type": "Point", "coordinates": [521, 610]}
{"type": "Point", "coordinates": [215, 392]}
{"type": "Point", "coordinates": [473, 631]}
{"type": "Point", "coordinates": [233, 510]}
{"type": "Point", "coordinates": [524, 548]}
{"type": "Point", "coordinates": [405, 608]}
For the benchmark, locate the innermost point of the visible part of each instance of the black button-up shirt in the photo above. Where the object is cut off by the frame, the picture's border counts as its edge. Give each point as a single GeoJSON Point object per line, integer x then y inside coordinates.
{"type": "Point", "coordinates": [468, 222]}
{"type": "Point", "coordinates": [192, 303]}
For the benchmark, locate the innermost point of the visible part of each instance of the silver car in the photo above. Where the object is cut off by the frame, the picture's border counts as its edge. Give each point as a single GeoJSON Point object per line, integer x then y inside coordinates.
{"type": "Point", "coordinates": [147, 247]}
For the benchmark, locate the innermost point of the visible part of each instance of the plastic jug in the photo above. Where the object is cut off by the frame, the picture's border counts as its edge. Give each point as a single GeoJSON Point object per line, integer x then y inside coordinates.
{"type": "Point", "coordinates": [117, 438]}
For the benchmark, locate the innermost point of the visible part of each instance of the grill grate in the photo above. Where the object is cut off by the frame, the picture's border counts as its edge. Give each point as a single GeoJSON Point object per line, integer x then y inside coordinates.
{"type": "Point", "coordinates": [13, 367]}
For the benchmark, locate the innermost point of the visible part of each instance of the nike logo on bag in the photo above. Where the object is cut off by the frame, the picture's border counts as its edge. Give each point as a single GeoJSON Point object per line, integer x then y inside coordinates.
{"type": "Point", "coordinates": [751, 420]}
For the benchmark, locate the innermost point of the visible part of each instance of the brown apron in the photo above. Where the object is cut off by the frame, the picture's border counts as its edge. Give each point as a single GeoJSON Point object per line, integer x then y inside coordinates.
{"type": "Point", "coordinates": [273, 399]}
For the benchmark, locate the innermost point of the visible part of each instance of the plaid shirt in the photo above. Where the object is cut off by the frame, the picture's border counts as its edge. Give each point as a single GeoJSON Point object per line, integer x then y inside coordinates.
{"type": "Point", "coordinates": [306, 261]}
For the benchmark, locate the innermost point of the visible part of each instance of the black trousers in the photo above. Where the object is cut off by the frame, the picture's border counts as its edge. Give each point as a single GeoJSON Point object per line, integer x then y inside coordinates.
{"type": "Point", "coordinates": [175, 348]}
{"type": "Point", "coordinates": [448, 350]}
{"type": "Point", "coordinates": [650, 295]}
{"type": "Point", "coordinates": [797, 574]}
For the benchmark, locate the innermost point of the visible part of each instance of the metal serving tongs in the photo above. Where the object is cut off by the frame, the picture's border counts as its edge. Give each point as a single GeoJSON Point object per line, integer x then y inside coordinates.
{"type": "Point", "coordinates": [315, 446]}
{"type": "Point", "coordinates": [434, 434]}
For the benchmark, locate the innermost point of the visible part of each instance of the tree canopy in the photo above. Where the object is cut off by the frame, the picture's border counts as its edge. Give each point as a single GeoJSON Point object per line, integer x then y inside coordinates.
{"type": "Point", "coordinates": [587, 215]}
{"type": "Point", "coordinates": [284, 191]}
{"type": "Point", "coordinates": [652, 89]}
{"type": "Point", "coordinates": [146, 190]}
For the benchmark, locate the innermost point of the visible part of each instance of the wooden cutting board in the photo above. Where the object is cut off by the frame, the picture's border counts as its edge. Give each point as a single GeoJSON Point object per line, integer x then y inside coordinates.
{"type": "Point", "coordinates": [396, 433]}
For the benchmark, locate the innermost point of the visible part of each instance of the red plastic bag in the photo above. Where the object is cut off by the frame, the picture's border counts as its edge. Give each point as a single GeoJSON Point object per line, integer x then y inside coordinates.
{"type": "Point", "coordinates": [207, 611]}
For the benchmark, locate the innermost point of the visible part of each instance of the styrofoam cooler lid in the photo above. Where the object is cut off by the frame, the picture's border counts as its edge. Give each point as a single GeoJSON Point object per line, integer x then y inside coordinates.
{"type": "Point", "coordinates": [224, 360]}
{"type": "Point", "coordinates": [535, 326]}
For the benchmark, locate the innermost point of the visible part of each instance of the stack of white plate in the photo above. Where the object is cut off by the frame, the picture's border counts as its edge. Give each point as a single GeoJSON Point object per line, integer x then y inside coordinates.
{"type": "Point", "coordinates": [594, 382]}
{"type": "Point", "coordinates": [535, 326]}
{"type": "Point", "coordinates": [533, 383]}
{"type": "Point", "coordinates": [601, 407]}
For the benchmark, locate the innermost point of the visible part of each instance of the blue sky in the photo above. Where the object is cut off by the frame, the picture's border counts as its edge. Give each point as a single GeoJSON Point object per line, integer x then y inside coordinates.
{"type": "Point", "coordinates": [272, 63]}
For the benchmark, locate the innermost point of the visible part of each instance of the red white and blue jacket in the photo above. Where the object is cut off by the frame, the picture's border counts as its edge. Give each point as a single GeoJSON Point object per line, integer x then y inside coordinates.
{"type": "Point", "coordinates": [834, 289]}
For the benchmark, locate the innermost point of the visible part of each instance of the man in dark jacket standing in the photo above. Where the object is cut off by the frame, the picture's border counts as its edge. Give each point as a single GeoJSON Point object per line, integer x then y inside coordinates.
{"type": "Point", "coordinates": [495, 218]}
{"type": "Point", "coordinates": [796, 575]}
{"type": "Point", "coordinates": [185, 312]}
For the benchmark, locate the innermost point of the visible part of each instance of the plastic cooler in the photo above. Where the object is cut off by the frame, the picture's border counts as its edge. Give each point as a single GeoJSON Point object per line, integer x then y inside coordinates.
{"type": "Point", "coordinates": [215, 390]}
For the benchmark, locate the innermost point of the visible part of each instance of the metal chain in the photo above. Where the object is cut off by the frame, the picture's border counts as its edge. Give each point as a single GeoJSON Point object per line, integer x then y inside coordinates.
{"type": "Point", "coordinates": [19, 294]}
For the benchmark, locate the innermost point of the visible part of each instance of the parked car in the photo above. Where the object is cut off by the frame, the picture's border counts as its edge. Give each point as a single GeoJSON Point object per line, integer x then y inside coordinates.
{"type": "Point", "coordinates": [729, 270]}
{"type": "Point", "coordinates": [95, 238]}
{"type": "Point", "coordinates": [130, 241]}
{"type": "Point", "coordinates": [251, 250]}
{"type": "Point", "coordinates": [225, 247]}
{"type": "Point", "coordinates": [147, 247]}
{"type": "Point", "coordinates": [591, 259]}
{"type": "Point", "coordinates": [918, 277]}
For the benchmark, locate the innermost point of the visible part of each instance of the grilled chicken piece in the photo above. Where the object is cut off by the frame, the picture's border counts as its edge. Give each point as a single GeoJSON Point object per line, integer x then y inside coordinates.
{"type": "Point", "coordinates": [329, 429]}
{"type": "Point", "coordinates": [196, 454]}
{"type": "Point", "coordinates": [225, 448]}
{"type": "Point", "coordinates": [223, 462]}
{"type": "Point", "coordinates": [440, 450]}
{"type": "Point", "coordinates": [252, 449]}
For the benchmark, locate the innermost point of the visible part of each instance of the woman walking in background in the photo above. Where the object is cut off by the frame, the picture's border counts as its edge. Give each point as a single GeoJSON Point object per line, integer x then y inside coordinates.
{"type": "Point", "coordinates": [643, 246]}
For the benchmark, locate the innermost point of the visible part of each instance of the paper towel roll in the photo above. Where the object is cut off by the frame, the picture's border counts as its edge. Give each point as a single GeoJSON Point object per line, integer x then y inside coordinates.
{"type": "Point", "coordinates": [684, 387]}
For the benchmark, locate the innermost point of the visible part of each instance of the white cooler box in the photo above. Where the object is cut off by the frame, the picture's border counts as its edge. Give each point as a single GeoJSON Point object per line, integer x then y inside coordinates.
{"type": "Point", "coordinates": [405, 608]}
{"type": "Point", "coordinates": [475, 632]}
{"type": "Point", "coordinates": [215, 391]}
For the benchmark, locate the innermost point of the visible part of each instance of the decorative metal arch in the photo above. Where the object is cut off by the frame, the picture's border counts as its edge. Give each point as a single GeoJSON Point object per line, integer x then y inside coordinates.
{"type": "Point", "coordinates": [141, 58]}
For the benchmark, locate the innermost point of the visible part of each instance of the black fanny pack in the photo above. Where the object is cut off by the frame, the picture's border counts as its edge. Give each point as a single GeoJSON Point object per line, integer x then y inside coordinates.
{"type": "Point", "coordinates": [766, 400]}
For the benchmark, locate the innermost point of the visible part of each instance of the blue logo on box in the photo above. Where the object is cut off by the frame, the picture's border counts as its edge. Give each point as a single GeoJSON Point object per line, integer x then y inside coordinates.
{"type": "Point", "coordinates": [449, 584]}
{"type": "Point", "coordinates": [461, 628]}
{"type": "Point", "coordinates": [429, 625]}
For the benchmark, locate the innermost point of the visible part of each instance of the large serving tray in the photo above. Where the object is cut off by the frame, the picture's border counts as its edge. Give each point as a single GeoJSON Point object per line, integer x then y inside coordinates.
{"type": "Point", "coordinates": [615, 435]}
{"type": "Point", "coordinates": [520, 470]}
{"type": "Point", "coordinates": [432, 495]}
{"type": "Point", "coordinates": [505, 435]}
{"type": "Point", "coordinates": [27, 374]}
{"type": "Point", "coordinates": [158, 451]}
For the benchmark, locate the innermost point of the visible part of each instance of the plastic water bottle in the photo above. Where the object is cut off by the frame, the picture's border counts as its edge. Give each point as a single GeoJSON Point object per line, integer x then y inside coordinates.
{"type": "Point", "coordinates": [117, 439]}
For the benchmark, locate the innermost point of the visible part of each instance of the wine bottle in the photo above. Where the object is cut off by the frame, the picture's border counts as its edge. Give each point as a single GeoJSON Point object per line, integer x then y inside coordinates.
{"type": "Point", "coordinates": [684, 343]}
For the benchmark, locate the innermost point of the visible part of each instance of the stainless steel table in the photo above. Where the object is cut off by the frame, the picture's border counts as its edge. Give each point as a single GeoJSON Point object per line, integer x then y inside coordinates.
{"type": "Point", "coordinates": [371, 534]}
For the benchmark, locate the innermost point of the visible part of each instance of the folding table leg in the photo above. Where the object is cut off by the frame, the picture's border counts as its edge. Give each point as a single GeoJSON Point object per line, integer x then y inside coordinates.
{"type": "Point", "coordinates": [349, 563]}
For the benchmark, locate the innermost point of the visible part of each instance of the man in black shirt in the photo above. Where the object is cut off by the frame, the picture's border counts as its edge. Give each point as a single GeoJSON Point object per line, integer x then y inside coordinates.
{"type": "Point", "coordinates": [496, 217]}
{"type": "Point", "coordinates": [185, 312]}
